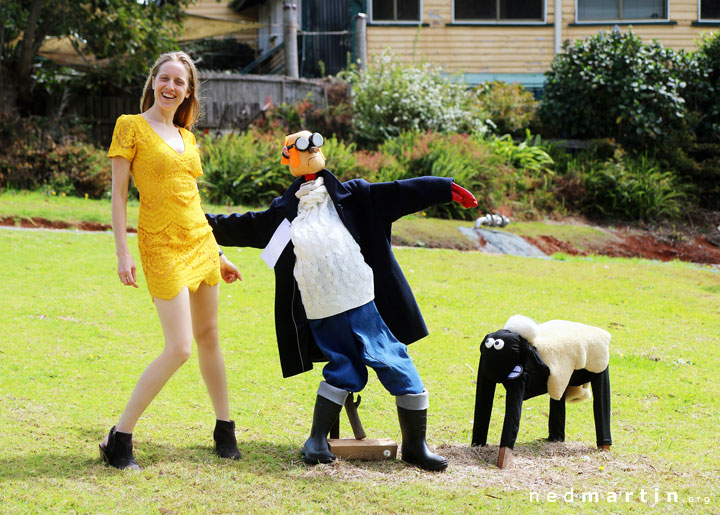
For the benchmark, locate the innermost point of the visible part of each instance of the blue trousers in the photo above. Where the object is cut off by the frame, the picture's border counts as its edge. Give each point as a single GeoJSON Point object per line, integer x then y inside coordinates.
{"type": "Point", "coordinates": [358, 338]}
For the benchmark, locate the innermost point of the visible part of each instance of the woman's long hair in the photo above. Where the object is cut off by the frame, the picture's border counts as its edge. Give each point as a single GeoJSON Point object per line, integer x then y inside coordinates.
{"type": "Point", "coordinates": [189, 111]}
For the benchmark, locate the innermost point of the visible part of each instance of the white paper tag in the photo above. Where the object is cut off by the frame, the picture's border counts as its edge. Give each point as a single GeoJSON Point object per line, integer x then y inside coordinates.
{"type": "Point", "coordinates": [277, 244]}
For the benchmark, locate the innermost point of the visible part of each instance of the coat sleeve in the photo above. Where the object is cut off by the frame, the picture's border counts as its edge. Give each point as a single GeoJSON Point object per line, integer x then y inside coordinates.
{"type": "Point", "coordinates": [251, 229]}
{"type": "Point", "coordinates": [393, 200]}
{"type": "Point", "coordinates": [484, 395]}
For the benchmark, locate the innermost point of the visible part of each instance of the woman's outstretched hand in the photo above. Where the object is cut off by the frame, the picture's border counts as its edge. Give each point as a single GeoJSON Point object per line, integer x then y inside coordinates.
{"type": "Point", "coordinates": [228, 271]}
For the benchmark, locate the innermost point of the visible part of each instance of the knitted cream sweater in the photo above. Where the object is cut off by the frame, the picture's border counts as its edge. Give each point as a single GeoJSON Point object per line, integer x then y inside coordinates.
{"type": "Point", "coordinates": [329, 267]}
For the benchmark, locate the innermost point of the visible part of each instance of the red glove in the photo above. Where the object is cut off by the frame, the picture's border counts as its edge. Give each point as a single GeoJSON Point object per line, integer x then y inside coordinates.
{"type": "Point", "coordinates": [463, 196]}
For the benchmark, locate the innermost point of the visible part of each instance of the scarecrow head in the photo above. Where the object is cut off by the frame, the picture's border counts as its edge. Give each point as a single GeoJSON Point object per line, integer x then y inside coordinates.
{"type": "Point", "coordinates": [302, 153]}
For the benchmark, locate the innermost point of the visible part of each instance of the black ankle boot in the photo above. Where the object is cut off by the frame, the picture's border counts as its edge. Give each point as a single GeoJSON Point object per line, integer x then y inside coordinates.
{"type": "Point", "coordinates": [119, 451]}
{"type": "Point", "coordinates": [225, 442]}
{"type": "Point", "coordinates": [413, 424]}
{"type": "Point", "coordinates": [316, 448]}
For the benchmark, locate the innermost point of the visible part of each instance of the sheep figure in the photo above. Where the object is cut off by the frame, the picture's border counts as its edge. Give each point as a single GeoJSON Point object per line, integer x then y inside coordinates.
{"type": "Point", "coordinates": [563, 359]}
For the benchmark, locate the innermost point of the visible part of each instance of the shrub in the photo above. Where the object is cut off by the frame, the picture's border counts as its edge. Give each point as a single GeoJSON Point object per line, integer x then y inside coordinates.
{"type": "Point", "coordinates": [630, 188]}
{"type": "Point", "coordinates": [80, 169]}
{"type": "Point", "coordinates": [76, 169]}
{"type": "Point", "coordinates": [510, 107]}
{"type": "Point", "coordinates": [701, 73]}
{"type": "Point", "coordinates": [332, 120]}
{"type": "Point", "coordinates": [612, 85]}
{"type": "Point", "coordinates": [242, 168]}
{"type": "Point", "coordinates": [476, 165]}
{"type": "Point", "coordinates": [390, 97]}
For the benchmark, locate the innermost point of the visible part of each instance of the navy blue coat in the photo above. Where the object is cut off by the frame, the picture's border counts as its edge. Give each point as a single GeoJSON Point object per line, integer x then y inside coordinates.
{"type": "Point", "coordinates": [368, 211]}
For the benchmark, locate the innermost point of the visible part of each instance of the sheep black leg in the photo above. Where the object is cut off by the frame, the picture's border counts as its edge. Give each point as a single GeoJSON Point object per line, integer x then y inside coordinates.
{"type": "Point", "coordinates": [601, 408]}
{"type": "Point", "coordinates": [556, 421]}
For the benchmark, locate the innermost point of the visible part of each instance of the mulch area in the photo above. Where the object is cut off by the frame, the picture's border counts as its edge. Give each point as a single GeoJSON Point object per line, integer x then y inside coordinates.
{"type": "Point", "coordinates": [629, 242]}
{"type": "Point", "coordinates": [43, 223]}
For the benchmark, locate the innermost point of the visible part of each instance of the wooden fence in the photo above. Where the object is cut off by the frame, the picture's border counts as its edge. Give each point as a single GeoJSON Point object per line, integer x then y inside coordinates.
{"type": "Point", "coordinates": [228, 101]}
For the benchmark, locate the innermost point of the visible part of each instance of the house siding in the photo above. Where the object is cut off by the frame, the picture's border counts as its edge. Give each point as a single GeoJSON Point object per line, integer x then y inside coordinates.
{"type": "Point", "coordinates": [496, 51]}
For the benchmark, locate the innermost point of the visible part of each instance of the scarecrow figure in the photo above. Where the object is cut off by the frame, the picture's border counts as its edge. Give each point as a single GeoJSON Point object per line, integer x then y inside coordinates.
{"type": "Point", "coordinates": [340, 295]}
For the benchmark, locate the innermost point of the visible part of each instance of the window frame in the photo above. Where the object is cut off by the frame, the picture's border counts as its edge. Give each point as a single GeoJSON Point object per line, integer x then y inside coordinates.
{"type": "Point", "coordinates": [395, 22]}
{"type": "Point", "coordinates": [705, 20]}
{"type": "Point", "coordinates": [612, 21]}
{"type": "Point", "coordinates": [528, 21]}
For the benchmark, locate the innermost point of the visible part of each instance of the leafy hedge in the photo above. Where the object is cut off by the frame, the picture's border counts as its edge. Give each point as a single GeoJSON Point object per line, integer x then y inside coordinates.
{"type": "Point", "coordinates": [612, 85]}
{"type": "Point", "coordinates": [606, 182]}
{"type": "Point", "coordinates": [245, 169]}
{"type": "Point", "coordinates": [391, 97]}
{"type": "Point", "coordinates": [76, 169]}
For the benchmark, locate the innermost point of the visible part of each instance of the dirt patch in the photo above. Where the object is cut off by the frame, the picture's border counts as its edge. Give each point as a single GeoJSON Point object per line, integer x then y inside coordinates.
{"type": "Point", "coordinates": [44, 223]}
{"type": "Point", "coordinates": [695, 249]}
{"type": "Point", "coordinates": [551, 245]}
{"type": "Point", "coordinates": [538, 467]}
{"type": "Point", "coordinates": [632, 242]}
{"type": "Point", "coordinates": [663, 245]}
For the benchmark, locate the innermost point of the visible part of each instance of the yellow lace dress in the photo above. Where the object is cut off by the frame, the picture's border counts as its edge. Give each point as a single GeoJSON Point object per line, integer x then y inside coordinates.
{"type": "Point", "coordinates": [177, 247]}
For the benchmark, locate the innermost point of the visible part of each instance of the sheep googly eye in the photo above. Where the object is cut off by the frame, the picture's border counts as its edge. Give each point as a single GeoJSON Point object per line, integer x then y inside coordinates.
{"type": "Point", "coordinates": [489, 342]}
{"type": "Point", "coordinates": [499, 344]}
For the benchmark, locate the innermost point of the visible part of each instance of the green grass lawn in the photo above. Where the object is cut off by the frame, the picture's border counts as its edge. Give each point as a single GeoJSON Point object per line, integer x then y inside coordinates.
{"type": "Point", "coordinates": [75, 342]}
{"type": "Point", "coordinates": [26, 205]}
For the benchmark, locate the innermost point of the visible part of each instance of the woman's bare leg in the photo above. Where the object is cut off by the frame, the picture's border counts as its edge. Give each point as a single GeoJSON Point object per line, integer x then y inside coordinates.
{"type": "Point", "coordinates": [204, 309]}
{"type": "Point", "coordinates": [177, 329]}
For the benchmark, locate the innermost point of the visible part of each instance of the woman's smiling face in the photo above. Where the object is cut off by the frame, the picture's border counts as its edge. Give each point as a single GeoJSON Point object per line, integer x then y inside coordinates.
{"type": "Point", "coordinates": [170, 85]}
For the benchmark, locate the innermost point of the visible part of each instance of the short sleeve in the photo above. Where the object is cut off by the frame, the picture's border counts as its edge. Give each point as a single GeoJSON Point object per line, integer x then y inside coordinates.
{"type": "Point", "coordinates": [124, 138]}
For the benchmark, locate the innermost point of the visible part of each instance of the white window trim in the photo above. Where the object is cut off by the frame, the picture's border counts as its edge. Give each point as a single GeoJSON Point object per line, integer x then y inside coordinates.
{"type": "Point", "coordinates": [501, 22]}
{"type": "Point", "coordinates": [701, 19]}
{"type": "Point", "coordinates": [626, 20]}
{"type": "Point", "coordinates": [394, 22]}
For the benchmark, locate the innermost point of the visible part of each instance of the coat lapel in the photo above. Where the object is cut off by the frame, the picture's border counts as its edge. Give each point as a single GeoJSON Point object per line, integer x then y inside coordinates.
{"type": "Point", "coordinates": [339, 194]}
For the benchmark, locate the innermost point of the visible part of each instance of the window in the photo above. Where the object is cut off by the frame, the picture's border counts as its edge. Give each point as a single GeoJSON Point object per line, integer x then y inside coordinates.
{"type": "Point", "coordinates": [709, 10]}
{"type": "Point", "coordinates": [597, 10]}
{"type": "Point", "coordinates": [499, 10]}
{"type": "Point", "coordinates": [395, 10]}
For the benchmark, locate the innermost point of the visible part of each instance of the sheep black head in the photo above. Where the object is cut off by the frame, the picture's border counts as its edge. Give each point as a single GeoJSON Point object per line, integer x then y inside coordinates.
{"type": "Point", "coordinates": [502, 355]}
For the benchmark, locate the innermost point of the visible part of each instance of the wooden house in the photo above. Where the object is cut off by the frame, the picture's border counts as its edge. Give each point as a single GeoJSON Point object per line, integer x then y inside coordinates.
{"type": "Point", "coordinates": [509, 40]}
{"type": "Point", "coordinates": [516, 40]}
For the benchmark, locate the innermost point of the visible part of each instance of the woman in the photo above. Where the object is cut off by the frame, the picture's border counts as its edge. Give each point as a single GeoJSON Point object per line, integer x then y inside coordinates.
{"type": "Point", "coordinates": [180, 258]}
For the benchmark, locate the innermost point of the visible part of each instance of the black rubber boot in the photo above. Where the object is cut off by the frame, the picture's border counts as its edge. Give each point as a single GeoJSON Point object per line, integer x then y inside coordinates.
{"type": "Point", "coordinates": [413, 424]}
{"type": "Point", "coordinates": [118, 452]}
{"type": "Point", "coordinates": [225, 442]}
{"type": "Point", "coordinates": [316, 449]}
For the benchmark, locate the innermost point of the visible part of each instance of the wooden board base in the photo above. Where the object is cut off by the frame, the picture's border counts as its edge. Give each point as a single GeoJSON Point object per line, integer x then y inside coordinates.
{"type": "Point", "coordinates": [368, 449]}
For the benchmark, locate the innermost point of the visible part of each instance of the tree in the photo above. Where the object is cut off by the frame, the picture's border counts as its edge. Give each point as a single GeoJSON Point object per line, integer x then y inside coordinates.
{"type": "Point", "coordinates": [126, 34]}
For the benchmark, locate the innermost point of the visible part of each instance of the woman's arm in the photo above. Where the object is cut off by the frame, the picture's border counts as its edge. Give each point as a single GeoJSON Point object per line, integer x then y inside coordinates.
{"type": "Point", "coordinates": [120, 183]}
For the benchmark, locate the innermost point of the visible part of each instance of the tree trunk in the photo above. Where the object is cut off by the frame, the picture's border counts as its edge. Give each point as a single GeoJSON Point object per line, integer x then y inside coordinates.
{"type": "Point", "coordinates": [29, 47]}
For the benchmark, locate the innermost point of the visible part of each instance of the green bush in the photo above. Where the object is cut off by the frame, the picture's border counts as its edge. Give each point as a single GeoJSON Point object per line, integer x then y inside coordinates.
{"type": "Point", "coordinates": [332, 120]}
{"type": "Point", "coordinates": [242, 168]}
{"type": "Point", "coordinates": [701, 73]}
{"type": "Point", "coordinates": [510, 107]}
{"type": "Point", "coordinates": [77, 169]}
{"type": "Point", "coordinates": [629, 188]}
{"type": "Point", "coordinates": [613, 86]}
{"type": "Point", "coordinates": [478, 165]}
{"type": "Point", "coordinates": [390, 97]}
